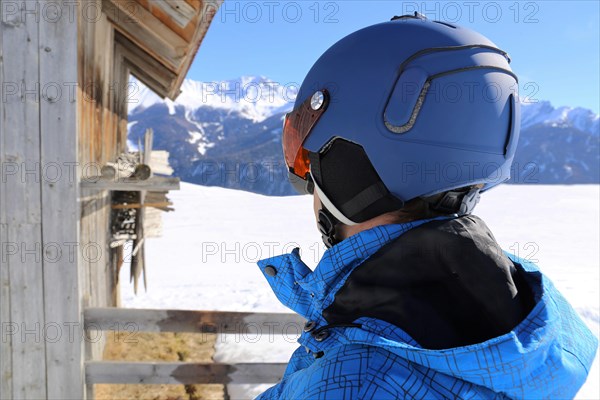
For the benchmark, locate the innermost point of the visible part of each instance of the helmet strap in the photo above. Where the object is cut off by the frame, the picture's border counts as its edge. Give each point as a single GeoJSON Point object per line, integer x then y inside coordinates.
{"type": "Point", "coordinates": [327, 223]}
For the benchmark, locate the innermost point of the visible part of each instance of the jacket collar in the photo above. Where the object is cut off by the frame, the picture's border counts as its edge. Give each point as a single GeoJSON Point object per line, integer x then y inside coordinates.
{"type": "Point", "coordinates": [309, 292]}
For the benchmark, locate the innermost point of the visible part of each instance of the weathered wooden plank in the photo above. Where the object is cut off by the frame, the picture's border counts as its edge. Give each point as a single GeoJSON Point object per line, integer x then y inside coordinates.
{"type": "Point", "coordinates": [27, 312]}
{"type": "Point", "coordinates": [100, 97]}
{"type": "Point", "coordinates": [182, 373]}
{"type": "Point", "coordinates": [87, 81]}
{"type": "Point", "coordinates": [116, 120]}
{"type": "Point", "coordinates": [21, 197]}
{"type": "Point", "coordinates": [179, 11]}
{"type": "Point", "coordinates": [6, 345]}
{"type": "Point", "coordinates": [155, 183]}
{"type": "Point", "coordinates": [99, 143]}
{"type": "Point", "coordinates": [150, 34]}
{"type": "Point", "coordinates": [60, 209]}
{"type": "Point", "coordinates": [122, 74]}
{"type": "Point", "coordinates": [89, 36]}
{"type": "Point", "coordinates": [138, 260]}
{"type": "Point", "coordinates": [224, 322]}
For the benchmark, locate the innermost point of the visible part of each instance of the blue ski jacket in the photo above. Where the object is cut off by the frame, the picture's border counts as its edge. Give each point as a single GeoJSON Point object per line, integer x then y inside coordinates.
{"type": "Point", "coordinates": [547, 355]}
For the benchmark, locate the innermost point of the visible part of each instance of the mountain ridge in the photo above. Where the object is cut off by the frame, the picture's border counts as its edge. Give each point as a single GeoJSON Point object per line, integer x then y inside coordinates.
{"type": "Point", "coordinates": [229, 134]}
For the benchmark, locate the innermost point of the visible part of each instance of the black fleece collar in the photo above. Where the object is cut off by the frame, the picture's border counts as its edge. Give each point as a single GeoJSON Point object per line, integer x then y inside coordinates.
{"type": "Point", "coordinates": [447, 283]}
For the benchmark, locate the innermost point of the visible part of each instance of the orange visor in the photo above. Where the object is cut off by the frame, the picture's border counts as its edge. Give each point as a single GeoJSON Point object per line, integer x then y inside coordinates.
{"type": "Point", "coordinates": [296, 128]}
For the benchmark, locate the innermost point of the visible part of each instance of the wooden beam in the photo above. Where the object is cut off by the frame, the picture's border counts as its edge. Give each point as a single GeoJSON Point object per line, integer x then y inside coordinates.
{"type": "Point", "coordinates": [138, 205]}
{"type": "Point", "coordinates": [182, 373]}
{"type": "Point", "coordinates": [153, 40]}
{"type": "Point", "coordinates": [208, 11]}
{"type": "Point", "coordinates": [224, 322]}
{"type": "Point", "coordinates": [154, 183]}
{"type": "Point", "coordinates": [147, 31]}
{"type": "Point", "coordinates": [121, 73]}
{"type": "Point", "coordinates": [143, 66]}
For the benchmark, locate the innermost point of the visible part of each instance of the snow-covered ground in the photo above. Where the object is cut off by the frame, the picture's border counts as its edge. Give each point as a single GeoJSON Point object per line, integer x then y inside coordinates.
{"type": "Point", "coordinates": [207, 256]}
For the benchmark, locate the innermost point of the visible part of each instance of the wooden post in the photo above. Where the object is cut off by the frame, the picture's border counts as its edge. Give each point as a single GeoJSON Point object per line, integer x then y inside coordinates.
{"type": "Point", "coordinates": [24, 369]}
{"type": "Point", "coordinates": [6, 344]}
{"type": "Point", "coordinates": [60, 209]}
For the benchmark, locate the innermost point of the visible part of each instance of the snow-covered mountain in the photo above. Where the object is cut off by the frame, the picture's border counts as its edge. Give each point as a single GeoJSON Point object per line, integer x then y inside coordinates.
{"type": "Point", "coordinates": [229, 134]}
{"type": "Point", "coordinates": [542, 112]}
{"type": "Point", "coordinates": [253, 97]}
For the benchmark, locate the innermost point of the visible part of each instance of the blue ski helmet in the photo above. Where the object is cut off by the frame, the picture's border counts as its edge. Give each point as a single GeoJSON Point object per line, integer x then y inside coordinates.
{"type": "Point", "coordinates": [403, 109]}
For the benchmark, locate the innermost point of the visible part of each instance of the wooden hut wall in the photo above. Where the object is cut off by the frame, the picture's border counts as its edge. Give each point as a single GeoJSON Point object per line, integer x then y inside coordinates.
{"type": "Point", "coordinates": [41, 349]}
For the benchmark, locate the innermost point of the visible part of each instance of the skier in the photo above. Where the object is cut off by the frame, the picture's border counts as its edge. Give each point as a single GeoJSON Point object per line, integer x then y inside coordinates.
{"type": "Point", "coordinates": [396, 130]}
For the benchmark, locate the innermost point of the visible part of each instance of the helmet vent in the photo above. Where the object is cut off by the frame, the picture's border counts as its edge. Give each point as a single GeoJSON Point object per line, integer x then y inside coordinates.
{"type": "Point", "coordinates": [416, 15]}
{"type": "Point", "coordinates": [445, 23]}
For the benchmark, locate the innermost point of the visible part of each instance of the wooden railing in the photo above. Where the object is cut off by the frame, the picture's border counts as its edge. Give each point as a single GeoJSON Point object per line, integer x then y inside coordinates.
{"type": "Point", "coordinates": [141, 320]}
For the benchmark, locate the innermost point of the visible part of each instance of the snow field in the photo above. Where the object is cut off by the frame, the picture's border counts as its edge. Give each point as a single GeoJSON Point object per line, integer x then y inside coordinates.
{"type": "Point", "coordinates": [206, 259]}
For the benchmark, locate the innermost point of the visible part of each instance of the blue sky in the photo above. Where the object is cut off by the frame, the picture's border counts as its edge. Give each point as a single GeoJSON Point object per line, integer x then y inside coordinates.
{"type": "Point", "coordinates": [554, 45]}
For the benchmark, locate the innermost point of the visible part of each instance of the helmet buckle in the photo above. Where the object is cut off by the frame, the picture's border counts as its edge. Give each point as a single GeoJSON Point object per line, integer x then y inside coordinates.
{"type": "Point", "coordinates": [458, 201]}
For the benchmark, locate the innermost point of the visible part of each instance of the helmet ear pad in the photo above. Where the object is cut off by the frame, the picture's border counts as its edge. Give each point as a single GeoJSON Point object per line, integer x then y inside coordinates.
{"type": "Point", "coordinates": [343, 172]}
